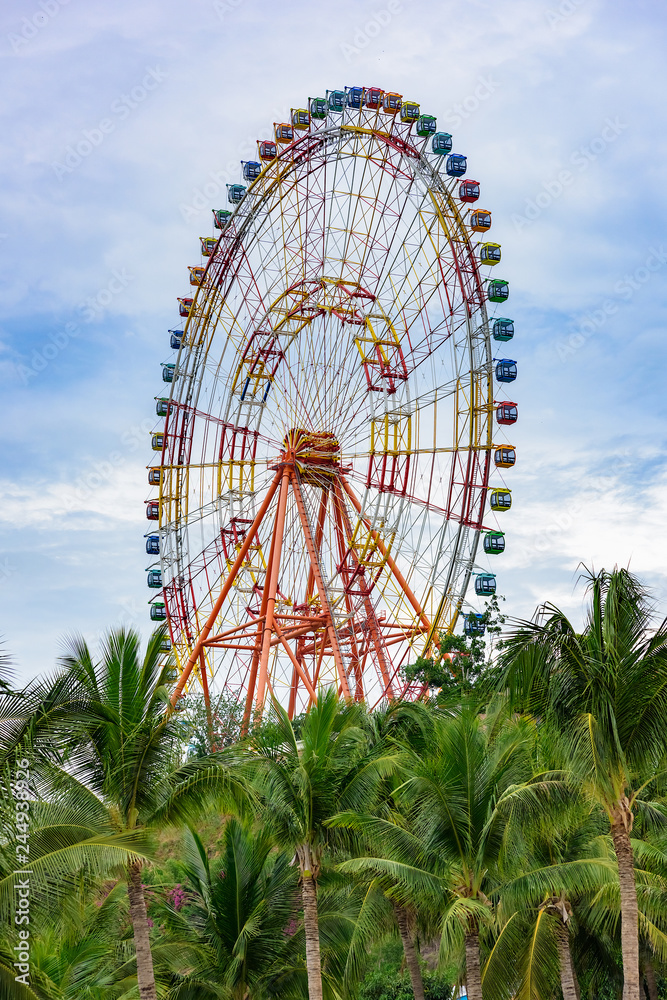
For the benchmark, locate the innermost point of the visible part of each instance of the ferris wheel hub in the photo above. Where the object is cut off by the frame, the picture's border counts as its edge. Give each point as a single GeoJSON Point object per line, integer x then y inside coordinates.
{"type": "Point", "coordinates": [316, 448]}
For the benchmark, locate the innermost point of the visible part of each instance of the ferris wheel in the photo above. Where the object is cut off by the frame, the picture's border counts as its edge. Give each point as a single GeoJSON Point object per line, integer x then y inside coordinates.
{"type": "Point", "coordinates": [331, 428]}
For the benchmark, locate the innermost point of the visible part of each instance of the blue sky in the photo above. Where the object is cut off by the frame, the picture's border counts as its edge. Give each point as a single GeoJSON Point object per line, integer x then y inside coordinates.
{"type": "Point", "coordinates": [560, 109]}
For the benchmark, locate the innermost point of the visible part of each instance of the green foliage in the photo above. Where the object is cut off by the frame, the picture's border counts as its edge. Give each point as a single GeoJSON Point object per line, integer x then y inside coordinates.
{"type": "Point", "coordinates": [392, 986]}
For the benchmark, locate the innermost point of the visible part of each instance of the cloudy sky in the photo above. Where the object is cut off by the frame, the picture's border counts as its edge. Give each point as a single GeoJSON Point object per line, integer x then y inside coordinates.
{"type": "Point", "coordinates": [559, 105]}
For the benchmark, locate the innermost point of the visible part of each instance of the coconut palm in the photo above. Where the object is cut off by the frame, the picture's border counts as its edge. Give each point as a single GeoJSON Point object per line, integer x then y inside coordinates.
{"type": "Point", "coordinates": [566, 857]}
{"type": "Point", "coordinates": [301, 783]}
{"type": "Point", "coordinates": [105, 757]}
{"type": "Point", "coordinates": [606, 687]}
{"type": "Point", "coordinates": [230, 917]}
{"type": "Point", "coordinates": [472, 781]}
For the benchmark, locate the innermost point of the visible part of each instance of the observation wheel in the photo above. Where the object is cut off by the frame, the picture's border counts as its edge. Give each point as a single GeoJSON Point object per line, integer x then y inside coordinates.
{"type": "Point", "coordinates": [327, 443]}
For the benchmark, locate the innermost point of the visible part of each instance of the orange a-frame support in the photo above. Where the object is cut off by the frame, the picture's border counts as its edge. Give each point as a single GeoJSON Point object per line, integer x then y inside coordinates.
{"type": "Point", "coordinates": [261, 634]}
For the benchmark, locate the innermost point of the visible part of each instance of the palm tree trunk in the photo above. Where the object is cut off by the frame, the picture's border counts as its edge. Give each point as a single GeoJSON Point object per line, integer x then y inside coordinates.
{"type": "Point", "coordinates": [649, 975]}
{"type": "Point", "coordinates": [142, 944]}
{"type": "Point", "coordinates": [411, 959]}
{"type": "Point", "coordinates": [473, 975]}
{"type": "Point", "coordinates": [568, 976]}
{"type": "Point", "coordinates": [312, 929]}
{"type": "Point", "coordinates": [629, 912]}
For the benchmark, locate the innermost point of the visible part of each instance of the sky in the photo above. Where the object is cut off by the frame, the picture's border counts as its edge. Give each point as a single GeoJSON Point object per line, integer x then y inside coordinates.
{"type": "Point", "coordinates": [123, 121]}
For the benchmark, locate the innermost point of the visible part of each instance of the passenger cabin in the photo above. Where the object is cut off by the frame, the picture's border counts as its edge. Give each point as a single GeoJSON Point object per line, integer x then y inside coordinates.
{"type": "Point", "coordinates": [506, 370]}
{"type": "Point", "coordinates": [267, 149]}
{"type": "Point", "coordinates": [157, 442]}
{"type": "Point", "coordinates": [426, 126]}
{"type": "Point", "coordinates": [158, 612]}
{"type": "Point", "coordinates": [409, 112]}
{"type": "Point", "coordinates": [172, 674]}
{"type": "Point", "coordinates": [507, 413]}
{"type": "Point", "coordinates": [162, 407]}
{"type": "Point", "coordinates": [489, 253]}
{"type": "Point", "coordinates": [235, 193]}
{"type": "Point", "coordinates": [500, 500]}
{"type": "Point", "coordinates": [168, 373]}
{"type": "Point", "coordinates": [175, 339]}
{"type": "Point", "coordinates": [480, 220]}
{"type": "Point", "coordinates": [154, 579]}
{"type": "Point", "coordinates": [391, 103]}
{"type": "Point", "coordinates": [485, 584]}
{"type": "Point", "coordinates": [155, 475]}
{"type": "Point", "coordinates": [153, 545]}
{"type": "Point", "coordinates": [221, 217]}
{"type": "Point", "coordinates": [355, 97]}
{"type": "Point", "coordinates": [473, 624]}
{"type": "Point", "coordinates": [318, 108]}
{"type": "Point", "coordinates": [469, 191]}
{"type": "Point", "coordinates": [284, 133]}
{"type": "Point", "coordinates": [503, 329]}
{"type": "Point", "coordinates": [505, 457]}
{"type": "Point", "coordinates": [152, 510]}
{"type": "Point", "coordinates": [196, 275]}
{"type": "Point", "coordinates": [336, 99]}
{"type": "Point", "coordinates": [184, 307]}
{"type": "Point", "coordinates": [165, 647]}
{"type": "Point", "coordinates": [208, 245]}
{"type": "Point", "coordinates": [498, 291]}
{"type": "Point", "coordinates": [373, 98]}
{"type": "Point", "coordinates": [300, 119]}
{"type": "Point", "coordinates": [494, 542]}
{"type": "Point", "coordinates": [441, 143]}
{"type": "Point", "coordinates": [251, 169]}
{"type": "Point", "coordinates": [457, 164]}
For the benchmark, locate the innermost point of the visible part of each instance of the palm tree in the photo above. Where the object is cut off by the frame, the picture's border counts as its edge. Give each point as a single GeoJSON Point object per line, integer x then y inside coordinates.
{"type": "Point", "coordinates": [386, 902]}
{"type": "Point", "coordinates": [566, 858]}
{"type": "Point", "coordinates": [105, 755]}
{"type": "Point", "coordinates": [230, 918]}
{"type": "Point", "coordinates": [461, 794]}
{"type": "Point", "coordinates": [606, 687]}
{"type": "Point", "coordinates": [302, 783]}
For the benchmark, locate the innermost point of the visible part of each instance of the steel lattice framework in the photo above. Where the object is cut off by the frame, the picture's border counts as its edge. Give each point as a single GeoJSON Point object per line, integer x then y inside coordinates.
{"type": "Point", "coordinates": [328, 443]}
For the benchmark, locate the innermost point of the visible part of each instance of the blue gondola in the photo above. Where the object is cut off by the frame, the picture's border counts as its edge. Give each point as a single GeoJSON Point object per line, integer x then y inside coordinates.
{"type": "Point", "coordinates": [474, 624]}
{"type": "Point", "coordinates": [355, 97]}
{"type": "Point", "coordinates": [153, 545]}
{"type": "Point", "coordinates": [457, 165]}
{"type": "Point", "coordinates": [506, 370]}
{"type": "Point", "coordinates": [251, 169]}
{"type": "Point", "coordinates": [175, 339]}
